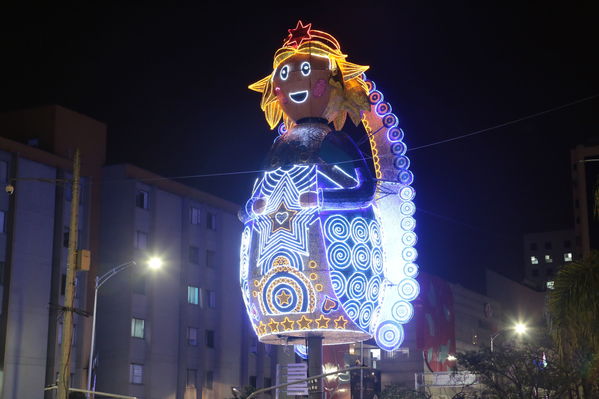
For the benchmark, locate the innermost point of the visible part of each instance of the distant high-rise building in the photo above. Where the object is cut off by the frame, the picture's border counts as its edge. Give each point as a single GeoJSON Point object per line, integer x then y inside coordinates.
{"type": "Point", "coordinates": [545, 253]}
{"type": "Point", "coordinates": [585, 193]}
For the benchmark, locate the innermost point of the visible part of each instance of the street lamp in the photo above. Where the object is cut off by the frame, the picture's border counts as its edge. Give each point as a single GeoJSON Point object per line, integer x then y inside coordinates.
{"type": "Point", "coordinates": [520, 329]}
{"type": "Point", "coordinates": [153, 263]}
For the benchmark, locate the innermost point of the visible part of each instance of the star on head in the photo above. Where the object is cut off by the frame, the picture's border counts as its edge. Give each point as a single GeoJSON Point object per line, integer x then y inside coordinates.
{"type": "Point", "coordinates": [262, 328]}
{"type": "Point", "coordinates": [287, 324]}
{"type": "Point", "coordinates": [304, 322]}
{"type": "Point", "coordinates": [281, 218]}
{"type": "Point", "coordinates": [323, 322]}
{"type": "Point", "coordinates": [274, 326]}
{"type": "Point", "coordinates": [298, 35]}
{"type": "Point", "coordinates": [341, 322]}
{"type": "Point", "coordinates": [283, 298]}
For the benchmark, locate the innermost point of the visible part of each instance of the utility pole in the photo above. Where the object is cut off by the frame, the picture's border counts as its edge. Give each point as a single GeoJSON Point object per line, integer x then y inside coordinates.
{"type": "Point", "coordinates": [67, 320]}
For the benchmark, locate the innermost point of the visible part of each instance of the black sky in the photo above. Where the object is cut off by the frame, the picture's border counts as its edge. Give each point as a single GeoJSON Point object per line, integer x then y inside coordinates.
{"type": "Point", "coordinates": [171, 84]}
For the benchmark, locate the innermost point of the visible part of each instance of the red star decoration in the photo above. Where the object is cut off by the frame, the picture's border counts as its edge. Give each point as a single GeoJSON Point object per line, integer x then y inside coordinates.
{"type": "Point", "coordinates": [298, 35]}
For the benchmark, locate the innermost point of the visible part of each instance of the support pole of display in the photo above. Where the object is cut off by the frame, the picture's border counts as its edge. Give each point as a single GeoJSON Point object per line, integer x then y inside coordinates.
{"type": "Point", "coordinates": [315, 366]}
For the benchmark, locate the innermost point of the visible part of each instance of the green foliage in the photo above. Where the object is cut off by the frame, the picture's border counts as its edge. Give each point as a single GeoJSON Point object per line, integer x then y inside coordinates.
{"type": "Point", "coordinates": [396, 391]}
{"type": "Point", "coordinates": [574, 314]}
{"type": "Point", "coordinates": [511, 372]}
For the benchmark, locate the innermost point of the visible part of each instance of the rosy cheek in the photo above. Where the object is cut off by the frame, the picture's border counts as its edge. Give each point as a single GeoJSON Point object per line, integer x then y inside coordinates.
{"type": "Point", "coordinates": [320, 88]}
{"type": "Point", "coordinates": [282, 97]}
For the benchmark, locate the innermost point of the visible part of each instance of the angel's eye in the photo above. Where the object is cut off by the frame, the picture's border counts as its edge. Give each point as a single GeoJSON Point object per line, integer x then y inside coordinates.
{"type": "Point", "coordinates": [284, 74]}
{"type": "Point", "coordinates": [306, 68]}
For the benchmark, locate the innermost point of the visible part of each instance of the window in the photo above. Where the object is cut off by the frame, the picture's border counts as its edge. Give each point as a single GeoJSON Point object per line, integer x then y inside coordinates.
{"type": "Point", "coordinates": [267, 382]}
{"type": "Point", "coordinates": [533, 246]}
{"type": "Point", "coordinates": [194, 215]}
{"type": "Point", "coordinates": [194, 254]}
{"type": "Point", "coordinates": [548, 245]}
{"type": "Point", "coordinates": [136, 373]}
{"type": "Point", "coordinates": [142, 199]}
{"type": "Point", "coordinates": [210, 338]}
{"type": "Point", "coordinates": [138, 283]}
{"type": "Point", "coordinates": [193, 294]}
{"type": "Point", "coordinates": [2, 267]}
{"type": "Point", "coordinates": [211, 221]}
{"type": "Point", "coordinates": [137, 328]}
{"type": "Point", "coordinates": [191, 377]}
{"type": "Point", "coordinates": [550, 285]}
{"type": "Point", "coordinates": [548, 259]}
{"type": "Point", "coordinates": [66, 234]}
{"type": "Point", "coordinates": [534, 260]}
{"type": "Point", "coordinates": [568, 257]}
{"type": "Point", "coordinates": [2, 222]}
{"type": "Point", "coordinates": [210, 259]}
{"type": "Point", "coordinates": [141, 240]}
{"type": "Point", "coordinates": [63, 284]}
{"type": "Point", "coordinates": [209, 379]}
{"type": "Point", "coordinates": [211, 299]}
{"type": "Point", "coordinates": [535, 272]}
{"type": "Point", "coordinates": [253, 380]}
{"type": "Point", "coordinates": [192, 336]}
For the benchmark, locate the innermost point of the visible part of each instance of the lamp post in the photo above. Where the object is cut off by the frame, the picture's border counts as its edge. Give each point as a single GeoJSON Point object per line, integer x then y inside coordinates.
{"type": "Point", "coordinates": [153, 263]}
{"type": "Point", "coordinates": [519, 328]}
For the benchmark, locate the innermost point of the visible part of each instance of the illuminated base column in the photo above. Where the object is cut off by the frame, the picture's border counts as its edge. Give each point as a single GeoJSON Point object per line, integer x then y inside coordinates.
{"type": "Point", "coordinates": [315, 366]}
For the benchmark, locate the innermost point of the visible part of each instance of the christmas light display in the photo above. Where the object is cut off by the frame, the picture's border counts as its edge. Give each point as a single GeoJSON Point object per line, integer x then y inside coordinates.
{"type": "Point", "coordinates": [328, 243]}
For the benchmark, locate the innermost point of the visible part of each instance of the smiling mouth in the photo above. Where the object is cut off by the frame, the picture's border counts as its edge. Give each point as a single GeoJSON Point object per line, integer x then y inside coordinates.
{"type": "Point", "coordinates": [299, 96]}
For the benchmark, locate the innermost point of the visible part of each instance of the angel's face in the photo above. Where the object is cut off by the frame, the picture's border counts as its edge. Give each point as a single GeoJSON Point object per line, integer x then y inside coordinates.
{"type": "Point", "coordinates": [301, 84]}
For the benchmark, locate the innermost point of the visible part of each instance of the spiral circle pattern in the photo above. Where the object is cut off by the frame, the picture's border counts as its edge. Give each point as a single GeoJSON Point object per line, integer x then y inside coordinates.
{"type": "Point", "coordinates": [337, 228]}
{"type": "Point", "coordinates": [339, 255]}
{"type": "Point", "coordinates": [365, 315]}
{"type": "Point", "coordinates": [375, 233]}
{"type": "Point", "coordinates": [359, 230]}
{"type": "Point", "coordinates": [411, 270]}
{"type": "Point", "coordinates": [377, 260]}
{"type": "Point", "coordinates": [356, 285]}
{"type": "Point", "coordinates": [339, 283]}
{"type": "Point", "coordinates": [352, 309]}
{"type": "Point", "coordinates": [402, 311]}
{"type": "Point", "coordinates": [408, 289]}
{"type": "Point", "coordinates": [394, 134]}
{"type": "Point", "coordinates": [361, 257]}
{"type": "Point", "coordinates": [374, 289]}
{"type": "Point", "coordinates": [389, 335]}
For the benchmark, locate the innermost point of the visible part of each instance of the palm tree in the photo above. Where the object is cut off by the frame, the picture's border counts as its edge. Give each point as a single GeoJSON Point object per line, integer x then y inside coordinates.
{"type": "Point", "coordinates": [574, 314]}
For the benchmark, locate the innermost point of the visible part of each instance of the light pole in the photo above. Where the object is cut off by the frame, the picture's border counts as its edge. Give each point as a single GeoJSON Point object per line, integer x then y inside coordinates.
{"type": "Point", "coordinates": [519, 328]}
{"type": "Point", "coordinates": [153, 263]}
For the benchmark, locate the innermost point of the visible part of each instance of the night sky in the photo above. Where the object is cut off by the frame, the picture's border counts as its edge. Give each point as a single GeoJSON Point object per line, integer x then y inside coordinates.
{"type": "Point", "coordinates": [171, 84]}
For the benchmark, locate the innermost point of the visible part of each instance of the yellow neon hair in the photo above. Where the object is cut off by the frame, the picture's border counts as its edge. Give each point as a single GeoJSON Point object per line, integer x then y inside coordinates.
{"type": "Point", "coordinates": [348, 96]}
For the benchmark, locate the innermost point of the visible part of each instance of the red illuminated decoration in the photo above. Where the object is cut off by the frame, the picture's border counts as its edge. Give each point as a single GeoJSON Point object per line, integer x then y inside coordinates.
{"type": "Point", "coordinates": [298, 35]}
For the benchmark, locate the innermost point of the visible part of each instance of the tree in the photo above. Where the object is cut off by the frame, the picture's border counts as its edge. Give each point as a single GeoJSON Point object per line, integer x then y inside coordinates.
{"type": "Point", "coordinates": [574, 319]}
{"type": "Point", "coordinates": [523, 372]}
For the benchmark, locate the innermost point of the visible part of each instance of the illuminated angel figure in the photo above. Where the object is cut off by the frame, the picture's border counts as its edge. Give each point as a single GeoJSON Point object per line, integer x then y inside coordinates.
{"type": "Point", "coordinates": [327, 247]}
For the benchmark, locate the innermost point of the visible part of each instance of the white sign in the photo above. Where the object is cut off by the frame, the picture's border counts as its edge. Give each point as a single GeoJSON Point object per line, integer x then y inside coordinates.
{"type": "Point", "coordinates": [293, 372]}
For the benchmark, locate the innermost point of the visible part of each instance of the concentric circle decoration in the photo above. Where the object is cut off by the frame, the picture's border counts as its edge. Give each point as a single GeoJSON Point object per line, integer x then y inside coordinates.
{"type": "Point", "coordinates": [359, 230]}
{"type": "Point", "coordinates": [407, 193]}
{"type": "Point", "coordinates": [408, 223]}
{"type": "Point", "coordinates": [244, 253]}
{"type": "Point", "coordinates": [401, 162]}
{"type": "Point", "coordinates": [361, 257]}
{"type": "Point", "coordinates": [395, 134]}
{"type": "Point", "coordinates": [408, 289]}
{"type": "Point", "coordinates": [356, 286]}
{"type": "Point", "coordinates": [398, 148]}
{"type": "Point", "coordinates": [382, 108]}
{"type": "Point", "coordinates": [407, 208]}
{"type": "Point", "coordinates": [390, 120]}
{"type": "Point", "coordinates": [339, 255]}
{"type": "Point", "coordinates": [375, 96]}
{"type": "Point", "coordinates": [366, 311]}
{"type": "Point", "coordinates": [374, 289]}
{"type": "Point", "coordinates": [377, 260]}
{"type": "Point", "coordinates": [402, 311]}
{"type": "Point", "coordinates": [352, 309]}
{"type": "Point", "coordinates": [411, 270]}
{"type": "Point", "coordinates": [409, 254]}
{"type": "Point", "coordinates": [285, 290]}
{"type": "Point", "coordinates": [282, 129]}
{"type": "Point", "coordinates": [370, 86]}
{"type": "Point", "coordinates": [339, 283]}
{"type": "Point", "coordinates": [336, 228]}
{"type": "Point", "coordinates": [409, 238]}
{"type": "Point", "coordinates": [405, 177]}
{"type": "Point", "coordinates": [375, 233]}
{"type": "Point", "coordinates": [389, 335]}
